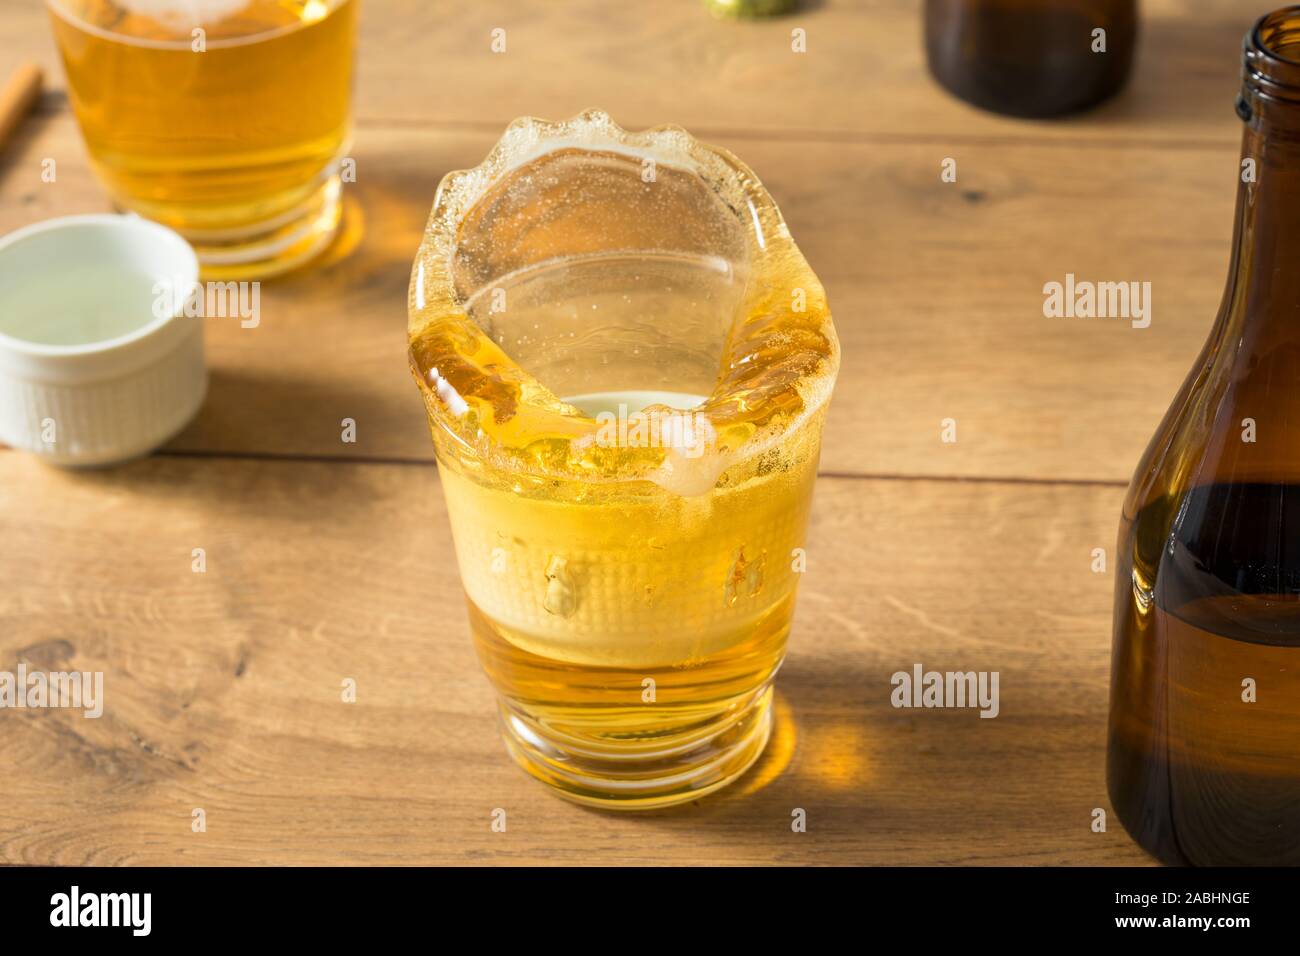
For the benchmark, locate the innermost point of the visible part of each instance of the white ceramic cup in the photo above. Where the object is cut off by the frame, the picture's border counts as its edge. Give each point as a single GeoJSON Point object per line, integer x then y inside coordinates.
{"type": "Point", "coordinates": [95, 367]}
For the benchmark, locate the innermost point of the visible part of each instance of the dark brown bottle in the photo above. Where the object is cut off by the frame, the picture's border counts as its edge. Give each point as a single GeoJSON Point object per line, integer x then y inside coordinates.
{"type": "Point", "coordinates": [1033, 58]}
{"type": "Point", "coordinates": [1204, 738]}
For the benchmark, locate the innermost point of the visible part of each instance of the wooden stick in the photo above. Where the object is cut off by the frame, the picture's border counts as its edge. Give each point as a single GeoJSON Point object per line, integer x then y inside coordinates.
{"type": "Point", "coordinates": [17, 97]}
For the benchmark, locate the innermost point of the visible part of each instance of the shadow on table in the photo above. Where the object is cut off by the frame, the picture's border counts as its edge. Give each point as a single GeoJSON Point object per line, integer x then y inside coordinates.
{"type": "Point", "coordinates": [200, 490]}
{"type": "Point", "coordinates": [289, 412]}
{"type": "Point", "coordinates": [879, 784]}
{"type": "Point", "coordinates": [819, 756]}
{"type": "Point", "coordinates": [1187, 72]}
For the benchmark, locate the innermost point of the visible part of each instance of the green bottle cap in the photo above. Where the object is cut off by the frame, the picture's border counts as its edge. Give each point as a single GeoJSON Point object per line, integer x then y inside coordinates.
{"type": "Point", "coordinates": [749, 9]}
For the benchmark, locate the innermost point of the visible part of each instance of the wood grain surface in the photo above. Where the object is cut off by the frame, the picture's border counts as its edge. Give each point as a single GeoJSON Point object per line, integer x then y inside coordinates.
{"type": "Point", "coordinates": [329, 560]}
{"type": "Point", "coordinates": [224, 688]}
{"type": "Point", "coordinates": [430, 62]}
{"type": "Point", "coordinates": [937, 292]}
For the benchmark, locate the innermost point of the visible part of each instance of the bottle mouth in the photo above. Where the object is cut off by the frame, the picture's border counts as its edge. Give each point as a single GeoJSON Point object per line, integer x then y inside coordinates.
{"type": "Point", "coordinates": [1272, 58]}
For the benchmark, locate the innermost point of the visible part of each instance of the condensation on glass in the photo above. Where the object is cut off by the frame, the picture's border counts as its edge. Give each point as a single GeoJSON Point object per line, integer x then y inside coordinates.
{"type": "Point", "coordinates": [629, 598]}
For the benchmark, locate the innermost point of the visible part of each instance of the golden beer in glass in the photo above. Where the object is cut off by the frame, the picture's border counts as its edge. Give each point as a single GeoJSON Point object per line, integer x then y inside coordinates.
{"type": "Point", "coordinates": [626, 364]}
{"type": "Point", "coordinates": [226, 120]}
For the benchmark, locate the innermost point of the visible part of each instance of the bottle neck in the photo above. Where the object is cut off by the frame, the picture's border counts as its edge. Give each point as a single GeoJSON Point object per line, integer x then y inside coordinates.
{"type": "Point", "coordinates": [1266, 270]}
{"type": "Point", "coordinates": [1264, 292]}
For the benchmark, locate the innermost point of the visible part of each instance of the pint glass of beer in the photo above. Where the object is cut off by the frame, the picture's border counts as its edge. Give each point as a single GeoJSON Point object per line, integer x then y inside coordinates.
{"type": "Point", "coordinates": [626, 364]}
{"type": "Point", "coordinates": [226, 120]}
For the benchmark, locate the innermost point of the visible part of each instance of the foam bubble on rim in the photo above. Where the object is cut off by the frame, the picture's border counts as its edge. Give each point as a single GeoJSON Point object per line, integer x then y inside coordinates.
{"type": "Point", "coordinates": [432, 301]}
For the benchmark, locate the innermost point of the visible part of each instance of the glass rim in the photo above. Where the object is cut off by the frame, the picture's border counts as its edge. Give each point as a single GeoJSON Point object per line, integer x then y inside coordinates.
{"type": "Point", "coordinates": [436, 311]}
{"type": "Point", "coordinates": [60, 9]}
{"type": "Point", "coordinates": [1267, 70]}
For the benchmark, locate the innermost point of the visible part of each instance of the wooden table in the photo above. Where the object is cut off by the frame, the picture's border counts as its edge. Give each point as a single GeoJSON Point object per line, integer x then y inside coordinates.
{"type": "Point", "coordinates": [328, 561]}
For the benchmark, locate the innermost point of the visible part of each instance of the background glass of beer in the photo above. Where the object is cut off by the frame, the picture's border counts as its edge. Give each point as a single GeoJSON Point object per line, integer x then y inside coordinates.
{"type": "Point", "coordinates": [223, 119]}
{"type": "Point", "coordinates": [626, 363]}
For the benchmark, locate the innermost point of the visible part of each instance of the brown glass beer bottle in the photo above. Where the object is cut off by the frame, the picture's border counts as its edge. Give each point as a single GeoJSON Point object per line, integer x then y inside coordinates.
{"type": "Point", "coordinates": [1204, 737]}
{"type": "Point", "coordinates": [1033, 58]}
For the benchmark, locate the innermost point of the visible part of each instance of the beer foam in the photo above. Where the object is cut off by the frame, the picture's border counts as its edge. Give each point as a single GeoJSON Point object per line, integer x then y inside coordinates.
{"type": "Point", "coordinates": [184, 14]}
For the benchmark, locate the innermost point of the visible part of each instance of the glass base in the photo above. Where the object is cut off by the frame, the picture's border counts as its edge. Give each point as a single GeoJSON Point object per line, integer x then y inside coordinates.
{"type": "Point", "coordinates": [644, 774]}
{"type": "Point", "coordinates": [275, 246]}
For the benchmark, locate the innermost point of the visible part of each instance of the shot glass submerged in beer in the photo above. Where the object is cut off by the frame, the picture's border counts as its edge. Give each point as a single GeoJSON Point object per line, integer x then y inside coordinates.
{"type": "Point", "coordinates": [626, 363]}
{"type": "Point", "coordinates": [224, 119]}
